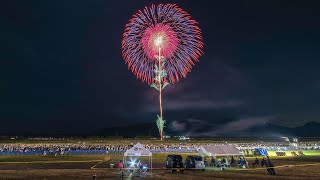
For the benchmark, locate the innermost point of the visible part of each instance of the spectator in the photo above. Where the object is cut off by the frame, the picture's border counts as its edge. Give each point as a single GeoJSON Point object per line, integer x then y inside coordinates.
{"type": "Point", "coordinates": [270, 170]}
{"type": "Point", "coordinates": [263, 162]}
{"type": "Point", "coordinates": [246, 164]}
{"type": "Point", "coordinates": [233, 161]}
{"type": "Point", "coordinates": [256, 162]}
{"type": "Point", "coordinates": [205, 162]}
{"type": "Point", "coordinates": [241, 162]}
{"type": "Point", "coordinates": [120, 165]}
{"type": "Point", "coordinates": [213, 161]}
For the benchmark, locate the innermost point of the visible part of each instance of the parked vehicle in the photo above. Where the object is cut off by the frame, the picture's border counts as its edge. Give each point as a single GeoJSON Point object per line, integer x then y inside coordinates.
{"type": "Point", "coordinates": [174, 162]}
{"type": "Point", "coordinates": [195, 162]}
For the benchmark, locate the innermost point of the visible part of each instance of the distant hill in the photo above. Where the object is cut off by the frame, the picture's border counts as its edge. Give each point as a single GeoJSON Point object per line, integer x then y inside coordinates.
{"type": "Point", "coordinates": [131, 130]}
{"type": "Point", "coordinates": [311, 129]}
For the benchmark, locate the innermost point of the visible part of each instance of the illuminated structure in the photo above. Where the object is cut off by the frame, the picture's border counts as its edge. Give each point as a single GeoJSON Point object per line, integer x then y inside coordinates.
{"type": "Point", "coordinates": [160, 45]}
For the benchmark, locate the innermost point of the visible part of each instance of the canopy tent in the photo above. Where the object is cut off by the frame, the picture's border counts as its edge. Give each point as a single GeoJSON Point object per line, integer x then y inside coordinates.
{"type": "Point", "coordinates": [219, 150]}
{"type": "Point", "coordinates": [137, 151]}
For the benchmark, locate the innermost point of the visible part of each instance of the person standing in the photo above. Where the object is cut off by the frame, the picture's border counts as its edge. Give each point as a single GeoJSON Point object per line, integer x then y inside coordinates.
{"type": "Point", "coordinates": [246, 163]}
{"type": "Point", "coordinates": [120, 167]}
{"type": "Point", "coordinates": [256, 162]}
{"type": "Point", "coordinates": [270, 166]}
{"type": "Point", "coordinates": [263, 162]}
{"type": "Point", "coordinates": [213, 161]}
{"type": "Point", "coordinates": [233, 161]}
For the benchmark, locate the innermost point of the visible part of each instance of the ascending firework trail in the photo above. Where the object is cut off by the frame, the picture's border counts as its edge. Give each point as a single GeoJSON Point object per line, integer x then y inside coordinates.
{"type": "Point", "coordinates": [160, 45]}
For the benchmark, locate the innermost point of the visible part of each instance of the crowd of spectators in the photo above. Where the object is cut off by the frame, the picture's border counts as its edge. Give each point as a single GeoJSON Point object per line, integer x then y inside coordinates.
{"type": "Point", "coordinates": [311, 145]}
{"type": "Point", "coordinates": [273, 146]}
{"type": "Point", "coordinates": [58, 149]}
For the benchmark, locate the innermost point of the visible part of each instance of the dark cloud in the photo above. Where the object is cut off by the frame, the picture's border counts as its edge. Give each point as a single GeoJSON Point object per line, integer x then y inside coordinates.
{"type": "Point", "coordinates": [241, 125]}
{"type": "Point", "coordinates": [197, 127]}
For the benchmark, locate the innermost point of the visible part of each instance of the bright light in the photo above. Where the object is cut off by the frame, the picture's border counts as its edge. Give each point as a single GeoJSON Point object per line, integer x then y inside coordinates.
{"type": "Point", "coordinates": [132, 163]}
{"type": "Point", "coordinates": [158, 41]}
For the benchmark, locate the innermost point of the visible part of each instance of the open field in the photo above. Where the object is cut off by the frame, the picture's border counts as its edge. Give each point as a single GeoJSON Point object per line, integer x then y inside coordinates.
{"type": "Point", "coordinates": [83, 167]}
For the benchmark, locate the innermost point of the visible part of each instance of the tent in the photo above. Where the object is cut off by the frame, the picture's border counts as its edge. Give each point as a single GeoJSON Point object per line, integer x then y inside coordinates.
{"type": "Point", "coordinates": [219, 150]}
{"type": "Point", "coordinates": [137, 151]}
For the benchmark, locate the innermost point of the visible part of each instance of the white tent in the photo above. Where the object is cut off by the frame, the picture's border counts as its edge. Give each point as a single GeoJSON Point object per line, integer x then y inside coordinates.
{"type": "Point", "coordinates": [219, 150]}
{"type": "Point", "coordinates": [137, 151]}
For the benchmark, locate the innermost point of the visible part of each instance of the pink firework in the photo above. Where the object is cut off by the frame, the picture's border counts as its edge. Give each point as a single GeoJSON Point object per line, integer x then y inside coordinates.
{"type": "Point", "coordinates": [166, 27]}
{"type": "Point", "coordinates": [159, 36]}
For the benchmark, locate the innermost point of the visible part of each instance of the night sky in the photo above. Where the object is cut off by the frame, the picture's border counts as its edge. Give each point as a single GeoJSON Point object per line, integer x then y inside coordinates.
{"type": "Point", "coordinates": [62, 69]}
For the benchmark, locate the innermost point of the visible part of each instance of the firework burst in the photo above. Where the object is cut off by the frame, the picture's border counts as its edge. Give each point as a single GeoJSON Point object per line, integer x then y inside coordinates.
{"type": "Point", "coordinates": [161, 42]}
{"type": "Point", "coordinates": [159, 36]}
{"type": "Point", "coordinates": [177, 35]}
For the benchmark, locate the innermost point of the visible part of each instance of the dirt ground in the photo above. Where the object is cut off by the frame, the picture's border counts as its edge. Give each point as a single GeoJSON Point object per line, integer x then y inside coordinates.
{"type": "Point", "coordinates": [296, 173]}
{"type": "Point", "coordinates": [287, 168]}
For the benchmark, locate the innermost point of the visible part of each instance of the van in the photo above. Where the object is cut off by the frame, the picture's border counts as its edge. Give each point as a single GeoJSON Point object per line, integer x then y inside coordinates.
{"type": "Point", "coordinates": [174, 162]}
{"type": "Point", "coordinates": [195, 162]}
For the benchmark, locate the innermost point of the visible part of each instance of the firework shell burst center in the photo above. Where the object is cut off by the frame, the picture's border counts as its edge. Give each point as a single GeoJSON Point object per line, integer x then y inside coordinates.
{"type": "Point", "coordinates": [164, 26]}
{"type": "Point", "coordinates": [160, 36]}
